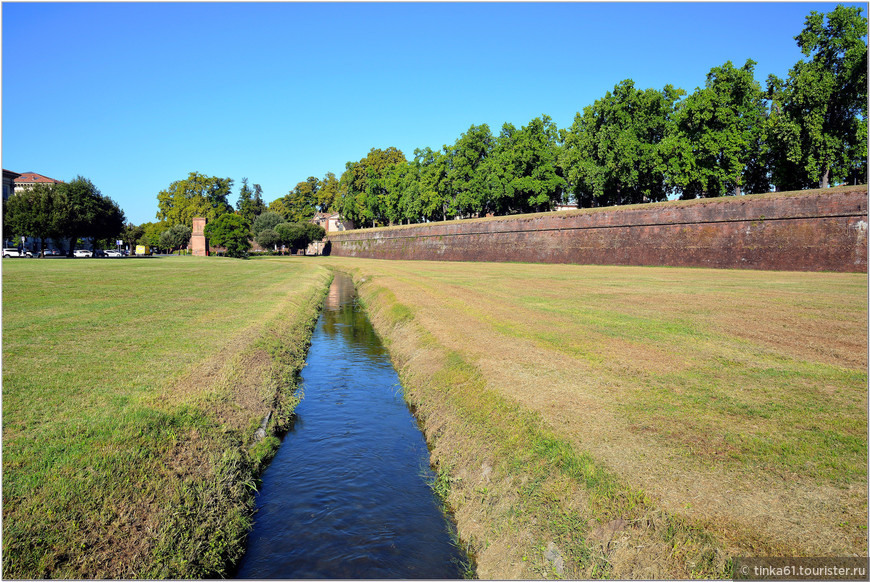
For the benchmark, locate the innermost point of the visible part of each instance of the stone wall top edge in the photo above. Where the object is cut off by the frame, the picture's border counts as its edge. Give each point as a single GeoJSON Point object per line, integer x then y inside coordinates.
{"type": "Point", "coordinates": [806, 203]}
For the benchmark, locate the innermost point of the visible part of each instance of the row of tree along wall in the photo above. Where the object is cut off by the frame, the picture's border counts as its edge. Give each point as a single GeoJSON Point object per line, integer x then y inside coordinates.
{"type": "Point", "coordinates": [816, 230]}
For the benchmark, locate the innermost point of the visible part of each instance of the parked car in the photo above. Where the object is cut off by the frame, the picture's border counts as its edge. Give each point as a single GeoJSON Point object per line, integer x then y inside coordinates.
{"type": "Point", "coordinates": [100, 253]}
{"type": "Point", "coordinates": [83, 253]}
{"type": "Point", "coordinates": [13, 252]}
{"type": "Point", "coordinates": [51, 253]}
{"type": "Point", "coordinates": [113, 253]}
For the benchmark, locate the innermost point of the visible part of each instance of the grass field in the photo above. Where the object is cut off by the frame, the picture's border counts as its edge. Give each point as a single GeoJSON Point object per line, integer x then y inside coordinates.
{"type": "Point", "coordinates": [131, 393]}
{"type": "Point", "coordinates": [646, 422]}
{"type": "Point", "coordinates": [625, 422]}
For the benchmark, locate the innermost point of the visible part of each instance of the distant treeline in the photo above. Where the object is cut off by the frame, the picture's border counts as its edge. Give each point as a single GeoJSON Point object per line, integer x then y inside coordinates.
{"type": "Point", "coordinates": [730, 136]}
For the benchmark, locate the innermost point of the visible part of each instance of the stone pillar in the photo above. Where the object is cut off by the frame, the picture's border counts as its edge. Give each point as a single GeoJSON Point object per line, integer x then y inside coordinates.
{"type": "Point", "coordinates": [198, 242]}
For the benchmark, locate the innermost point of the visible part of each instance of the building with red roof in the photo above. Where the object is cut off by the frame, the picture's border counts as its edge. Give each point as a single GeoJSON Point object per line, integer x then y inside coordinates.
{"type": "Point", "coordinates": [30, 179]}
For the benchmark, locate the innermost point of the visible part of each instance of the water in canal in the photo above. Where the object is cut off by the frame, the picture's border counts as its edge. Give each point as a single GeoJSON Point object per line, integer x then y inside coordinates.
{"type": "Point", "coordinates": [347, 494]}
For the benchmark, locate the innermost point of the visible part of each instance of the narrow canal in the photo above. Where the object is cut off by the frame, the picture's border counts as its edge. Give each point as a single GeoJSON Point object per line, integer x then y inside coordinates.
{"type": "Point", "coordinates": [347, 494]}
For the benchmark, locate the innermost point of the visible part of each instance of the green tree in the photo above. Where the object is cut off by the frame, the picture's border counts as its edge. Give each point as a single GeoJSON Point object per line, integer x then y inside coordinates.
{"type": "Point", "coordinates": [32, 213]}
{"type": "Point", "coordinates": [313, 232]}
{"type": "Point", "coordinates": [231, 232]}
{"type": "Point", "coordinates": [268, 238]}
{"type": "Point", "coordinates": [258, 207]}
{"type": "Point", "coordinates": [523, 174]}
{"type": "Point", "coordinates": [280, 208]}
{"type": "Point", "coordinates": [197, 195]}
{"type": "Point", "coordinates": [466, 178]}
{"type": "Point", "coordinates": [327, 193]}
{"type": "Point", "coordinates": [267, 220]}
{"type": "Point", "coordinates": [175, 237]}
{"type": "Point", "coordinates": [151, 232]}
{"type": "Point", "coordinates": [430, 193]}
{"type": "Point", "coordinates": [108, 223]}
{"type": "Point", "coordinates": [292, 234]}
{"type": "Point", "coordinates": [301, 202]}
{"type": "Point", "coordinates": [362, 187]}
{"type": "Point", "coordinates": [716, 146]}
{"type": "Point", "coordinates": [82, 211]}
{"type": "Point", "coordinates": [818, 125]}
{"type": "Point", "coordinates": [131, 235]}
{"type": "Point", "coordinates": [247, 206]}
{"type": "Point", "coordinates": [612, 152]}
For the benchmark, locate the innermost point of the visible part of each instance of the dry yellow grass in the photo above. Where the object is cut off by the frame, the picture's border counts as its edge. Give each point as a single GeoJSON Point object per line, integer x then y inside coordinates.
{"type": "Point", "coordinates": [733, 402]}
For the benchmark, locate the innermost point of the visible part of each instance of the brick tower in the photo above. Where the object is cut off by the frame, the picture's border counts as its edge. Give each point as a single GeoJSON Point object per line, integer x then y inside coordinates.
{"type": "Point", "coordinates": [198, 242]}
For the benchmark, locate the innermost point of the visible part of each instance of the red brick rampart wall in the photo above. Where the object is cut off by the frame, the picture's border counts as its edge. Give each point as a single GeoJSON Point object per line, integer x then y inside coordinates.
{"type": "Point", "coordinates": [814, 230]}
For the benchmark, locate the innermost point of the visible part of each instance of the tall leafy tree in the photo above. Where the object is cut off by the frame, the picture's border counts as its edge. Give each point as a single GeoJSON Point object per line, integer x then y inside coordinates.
{"type": "Point", "coordinates": [250, 203]}
{"type": "Point", "coordinates": [466, 178]}
{"type": "Point", "coordinates": [818, 125]}
{"type": "Point", "coordinates": [108, 224]}
{"type": "Point", "coordinates": [327, 193]}
{"type": "Point", "coordinates": [301, 202]}
{"type": "Point", "coordinates": [196, 195]}
{"type": "Point", "coordinates": [717, 144]}
{"type": "Point", "coordinates": [257, 204]}
{"type": "Point", "coordinates": [612, 154]}
{"type": "Point", "coordinates": [362, 186]}
{"type": "Point", "coordinates": [394, 183]}
{"type": "Point", "coordinates": [279, 207]}
{"type": "Point", "coordinates": [82, 211]}
{"type": "Point", "coordinates": [430, 191]}
{"type": "Point", "coordinates": [523, 173]}
{"type": "Point", "coordinates": [32, 212]}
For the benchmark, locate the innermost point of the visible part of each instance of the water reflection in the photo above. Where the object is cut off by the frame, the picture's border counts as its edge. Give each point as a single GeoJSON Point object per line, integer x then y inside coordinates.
{"type": "Point", "coordinates": [347, 496]}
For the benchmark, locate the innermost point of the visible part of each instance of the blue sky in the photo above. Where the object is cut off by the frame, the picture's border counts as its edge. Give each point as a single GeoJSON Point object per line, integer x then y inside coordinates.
{"type": "Point", "coordinates": [137, 95]}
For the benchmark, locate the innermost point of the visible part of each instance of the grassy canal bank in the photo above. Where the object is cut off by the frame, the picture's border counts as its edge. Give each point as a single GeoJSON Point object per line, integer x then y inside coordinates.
{"type": "Point", "coordinates": [633, 422]}
{"type": "Point", "coordinates": [132, 390]}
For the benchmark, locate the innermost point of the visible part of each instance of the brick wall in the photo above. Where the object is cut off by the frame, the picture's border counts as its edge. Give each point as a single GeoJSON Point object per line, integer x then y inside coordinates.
{"type": "Point", "coordinates": [814, 230]}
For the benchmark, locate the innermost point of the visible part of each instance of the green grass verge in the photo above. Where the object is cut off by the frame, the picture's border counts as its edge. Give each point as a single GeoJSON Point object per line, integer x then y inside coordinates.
{"type": "Point", "coordinates": [131, 392]}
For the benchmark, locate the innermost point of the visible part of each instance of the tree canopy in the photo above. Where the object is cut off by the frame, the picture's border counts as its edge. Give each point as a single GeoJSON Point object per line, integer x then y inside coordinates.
{"type": "Point", "coordinates": [362, 186]}
{"type": "Point", "coordinates": [196, 195]}
{"type": "Point", "coordinates": [715, 145]}
{"type": "Point", "coordinates": [33, 212]}
{"type": "Point", "coordinates": [818, 126]}
{"type": "Point", "coordinates": [231, 232]}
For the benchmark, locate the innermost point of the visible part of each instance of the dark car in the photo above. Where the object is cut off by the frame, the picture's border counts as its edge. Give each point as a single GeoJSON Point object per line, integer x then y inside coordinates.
{"type": "Point", "coordinates": [100, 253]}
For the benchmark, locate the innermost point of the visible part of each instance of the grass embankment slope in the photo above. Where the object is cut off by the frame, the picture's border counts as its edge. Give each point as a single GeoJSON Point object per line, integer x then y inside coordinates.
{"type": "Point", "coordinates": [634, 422]}
{"type": "Point", "coordinates": [132, 390]}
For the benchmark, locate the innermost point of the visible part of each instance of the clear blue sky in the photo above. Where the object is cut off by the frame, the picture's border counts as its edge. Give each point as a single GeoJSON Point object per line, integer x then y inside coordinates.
{"type": "Point", "coordinates": [137, 95]}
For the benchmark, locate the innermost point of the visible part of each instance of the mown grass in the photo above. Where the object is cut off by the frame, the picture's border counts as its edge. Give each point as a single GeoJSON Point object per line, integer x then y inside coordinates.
{"type": "Point", "coordinates": [652, 422]}
{"type": "Point", "coordinates": [131, 392]}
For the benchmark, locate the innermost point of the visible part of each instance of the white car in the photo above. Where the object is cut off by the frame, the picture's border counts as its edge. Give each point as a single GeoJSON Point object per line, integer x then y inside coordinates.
{"type": "Point", "coordinates": [83, 253]}
{"type": "Point", "coordinates": [13, 252]}
{"type": "Point", "coordinates": [114, 253]}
